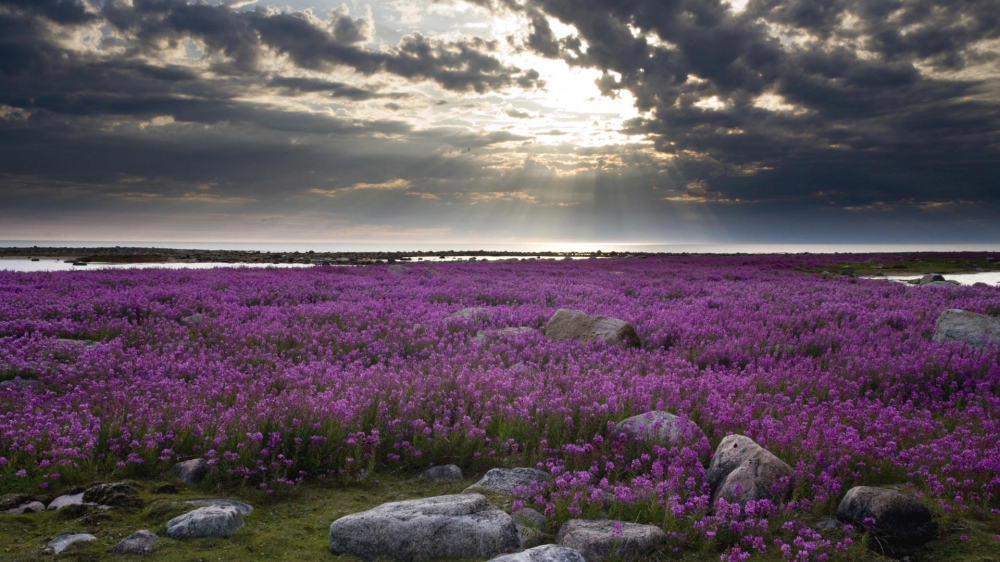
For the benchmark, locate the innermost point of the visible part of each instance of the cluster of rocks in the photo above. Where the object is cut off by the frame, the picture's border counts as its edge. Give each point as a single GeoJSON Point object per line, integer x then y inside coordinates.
{"type": "Point", "coordinates": [933, 280]}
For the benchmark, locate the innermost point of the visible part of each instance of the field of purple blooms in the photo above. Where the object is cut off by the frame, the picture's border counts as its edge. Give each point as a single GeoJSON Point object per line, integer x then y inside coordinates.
{"type": "Point", "coordinates": [325, 373]}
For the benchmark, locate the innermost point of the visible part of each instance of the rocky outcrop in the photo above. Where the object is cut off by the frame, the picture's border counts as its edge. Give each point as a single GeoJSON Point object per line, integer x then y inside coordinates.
{"type": "Point", "coordinates": [116, 494]}
{"type": "Point", "coordinates": [544, 553]}
{"type": "Point", "coordinates": [456, 526]}
{"type": "Point", "coordinates": [139, 542]}
{"type": "Point", "coordinates": [603, 539]}
{"type": "Point", "coordinates": [62, 542]}
{"type": "Point", "coordinates": [211, 521]}
{"type": "Point", "coordinates": [505, 480]}
{"type": "Point", "coordinates": [575, 325]}
{"type": "Point", "coordinates": [900, 520]}
{"type": "Point", "coordinates": [977, 330]}
{"type": "Point", "coordinates": [191, 472]}
{"type": "Point", "coordinates": [742, 471]}
{"type": "Point", "coordinates": [442, 473]}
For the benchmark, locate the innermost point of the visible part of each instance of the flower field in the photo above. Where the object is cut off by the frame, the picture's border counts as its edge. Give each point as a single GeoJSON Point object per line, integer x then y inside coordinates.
{"type": "Point", "coordinates": [329, 373]}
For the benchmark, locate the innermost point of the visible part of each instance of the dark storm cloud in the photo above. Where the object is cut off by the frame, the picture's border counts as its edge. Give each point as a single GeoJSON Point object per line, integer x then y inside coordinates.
{"type": "Point", "coordinates": [862, 122]}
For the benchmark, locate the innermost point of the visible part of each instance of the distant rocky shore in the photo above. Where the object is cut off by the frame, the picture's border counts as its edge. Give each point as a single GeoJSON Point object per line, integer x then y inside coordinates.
{"type": "Point", "coordinates": [169, 255]}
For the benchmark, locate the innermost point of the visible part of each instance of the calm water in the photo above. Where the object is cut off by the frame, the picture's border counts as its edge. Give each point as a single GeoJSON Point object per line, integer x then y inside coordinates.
{"type": "Point", "coordinates": [525, 247]}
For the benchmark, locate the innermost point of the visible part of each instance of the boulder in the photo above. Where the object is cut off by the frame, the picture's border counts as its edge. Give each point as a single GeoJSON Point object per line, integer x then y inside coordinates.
{"type": "Point", "coordinates": [530, 527]}
{"type": "Point", "coordinates": [211, 521]}
{"type": "Point", "coordinates": [603, 539]}
{"type": "Point", "coordinates": [568, 324]}
{"type": "Point", "coordinates": [930, 278]}
{"type": "Point", "coordinates": [62, 542]}
{"type": "Point", "coordinates": [190, 472]}
{"type": "Point", "coordinates": [742, 471]}
{"type": "Point", "coordinates": [442, 473]}
{"type": "Point", "coordinates": [139, 542]}
{"type": "Point", "coordinates": [456, 526]}
{"type": "Point", "coordinates": [504, 480]}
{"type": "Point", "coordinates": [194, 320]}
{"type": "Point", "coordinates": [490, 335]}
{"type": "Point", "coordinates": [117, 494]}
{"type": "Point", "coordinates": [665, 429]}
{"type": "Point", "coordinates": [396, 269]}
{"type": "Point", "coordinates": [63, 501]}
{"type": "Point", "coordinates": [900, 520]}
{"type": "Point", "coordinates": [945, 284]}
{"type": "Point", "coordinates": [977, 330]}
{"type": "Point", "coordinates": [30, 507]}
{"type": "Point", "coordinates": [544, 553]}
{"type": "Point", "coordinates": [243, 508]}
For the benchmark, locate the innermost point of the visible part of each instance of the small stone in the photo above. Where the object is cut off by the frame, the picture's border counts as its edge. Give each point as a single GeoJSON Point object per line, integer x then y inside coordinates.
{"type": "Point", "coordinates": [456, 526]}
{"type": "Point", "coordinates": [139, 542]}
{"type": "Point", "coordinates": [62, 542]}
{"type": "Point", "coordinates": [30, 507]}
{"type": "Point", "coordinates": [243, 508]}
{"type": "Point", "coordinates": [900, 520]}
{"type": "Point", "coordinates": [211, 521]}
{"type": "Point", "coordinates": [190, 472]}
{"type": "Point", "coordinates": [742, 471]}
{"type": "Point", "coordinates": [603, 539]}
{"type": "Point", "coordinates": [63, 501]}
{"type": "Point", "coordinates": [568, 324]}
{"type": "Point", "coordinates": [442, 473]}
{"type": "Point", "coordinates": [544, 553]}
{"type": "Point", "coordinates": [505, 480]}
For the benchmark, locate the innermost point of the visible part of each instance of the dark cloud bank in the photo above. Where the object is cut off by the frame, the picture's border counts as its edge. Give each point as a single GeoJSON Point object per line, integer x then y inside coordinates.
{"type": "Point", "coordinates": [821, 112]}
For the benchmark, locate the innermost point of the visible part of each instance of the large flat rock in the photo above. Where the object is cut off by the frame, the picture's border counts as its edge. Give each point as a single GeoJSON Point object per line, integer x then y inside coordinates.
{"type": "Point", "coordinates": [455, 526]}
{"type": "Point", "coordinates": [603, 539]}
{"type": "Point", "coordinates": [977, 330]}
{"type": "Point", "coordinates": [211, 521]}
{"type": "Point", "coordinates": [899, 519]}
{"type": "Point", "coordinates": [568, 324]}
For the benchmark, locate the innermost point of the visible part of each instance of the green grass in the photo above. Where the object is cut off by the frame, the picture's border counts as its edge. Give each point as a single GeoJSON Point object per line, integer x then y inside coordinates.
{"type": "Point", "coordinates": [911, 266]}
{"type": "Point", "coordinates": [294, 526]}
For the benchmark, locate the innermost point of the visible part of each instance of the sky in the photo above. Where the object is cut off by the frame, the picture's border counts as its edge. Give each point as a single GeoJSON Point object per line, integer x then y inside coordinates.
{"type": "Point", "coordinates": [457, 121]}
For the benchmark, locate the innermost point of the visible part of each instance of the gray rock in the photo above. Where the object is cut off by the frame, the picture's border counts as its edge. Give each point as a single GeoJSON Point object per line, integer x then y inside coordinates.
{"type": "Point", "coordinates": [530, 527]}
{"type": "Point", "coordinates": [474, 313]}
{"type": "Point", "coordinates": [396, 269]}
{"type": "Point", "coordinates": [62, 542]}
{"type": "Point", "coordinates": [490, 335]}
{"type": "Point", "coordinates": [139, 542]}
{"type": "Point", "coordinates": [30, 507]}
{"type": "Point", "coordinates": [20, 384]}
{"type": "Point", "coordinates": [600, 540]}
{"type": "Point", "coordinates": [211, 521]}
{"type": "Point", "coordinates": [829, 525]}
{"type": "Point", "coordinates": [442, 473]}
{"type": "Point", "coordinates": [930, 278]}
{"type": "Point", "coordinates": [568, 324]}
{"type": "Point", "coordinates": [742, 471]}
{"type": "Point", "coordinates": [456, 526]}
{"type": "Point", "coordinates": [10, 501]}
{"type": "Point", "coordinates": [977, 330]}
{"type": "Point", "coordinates": [504, 480]}
{"type": "Point", "coordinates": [899, 519]}
{"type": "Point", "coordinates": [63, 501]}
{"type": "Point", "coordinates": [191, 472]}
{"type": "Point", "coordinates": [663, 428]}
{"type": "Point", "coordinates": [945, 284]}
{"type": "Point", "coordinates": [544, 553]}
{"type": "Point", "coordinates": [118, 494]}
{"type": "Point", "coordinates": [244, 509]}
{"type": "Point", "coordinates": [194, 320]}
